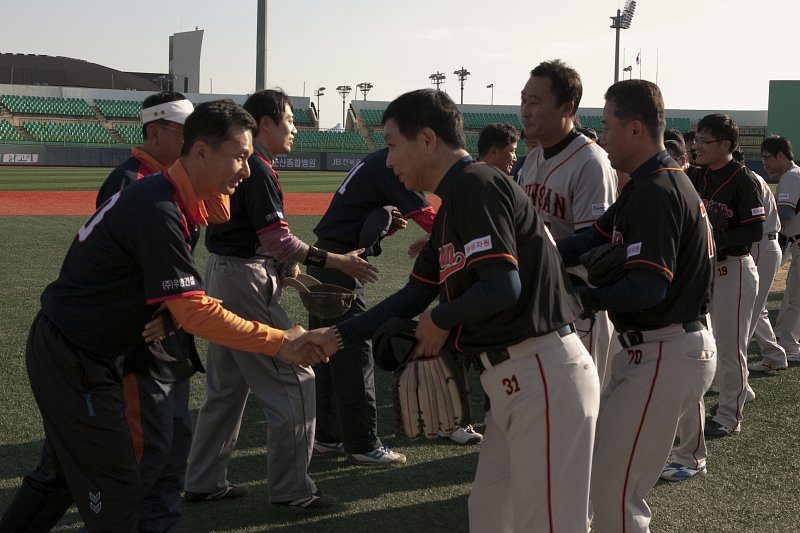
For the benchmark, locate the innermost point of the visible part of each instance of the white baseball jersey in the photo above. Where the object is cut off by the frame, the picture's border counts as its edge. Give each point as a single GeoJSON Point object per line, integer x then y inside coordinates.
{"type": "Point", "coordinates": [571, 189]}
{"type": "Point", "coordinates": [788, 193]}
{"type": "Point", "coordinates": [772, 224]}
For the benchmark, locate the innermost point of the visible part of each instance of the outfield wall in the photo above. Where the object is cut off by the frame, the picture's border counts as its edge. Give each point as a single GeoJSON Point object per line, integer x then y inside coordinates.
{"type": "Point", "coordinates": [52, 155]}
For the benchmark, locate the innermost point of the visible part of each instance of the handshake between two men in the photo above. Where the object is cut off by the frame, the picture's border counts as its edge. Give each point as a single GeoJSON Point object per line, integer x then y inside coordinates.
{"type": "Point", "coordinates": [304, 348]}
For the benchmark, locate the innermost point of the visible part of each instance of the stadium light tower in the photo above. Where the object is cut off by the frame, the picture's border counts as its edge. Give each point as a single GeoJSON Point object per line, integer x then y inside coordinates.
{"type": "Point", "coordinates": [364, 87]}
{"type": "Point", "coordinates": [437, 79]}
{"type": "Point", "coordinates": [462, 77]}
{"type": "Point", "coordinates": [491, 86]}
{"type": "Point", "coordinates": [343, 90]}
{"type": "Point", "coordinates": [622, 22]}
{"type": "Point", "coordinates": [319, 92]}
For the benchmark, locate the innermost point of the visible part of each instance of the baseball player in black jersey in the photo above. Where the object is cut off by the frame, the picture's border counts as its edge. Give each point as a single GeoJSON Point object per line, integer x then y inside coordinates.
{"type": "Point", "coordinates": [157, 388]}
{"type": "Point", "coordinates": [131, 256]}
{"type": "Point", "coordinates": [242, 270]}
{"type": "Point", "coordinates": [505, 302]}
{"type": "Point", "coordinates": [658, 305]}
{"type": "Point", "coordinates": [369, 205]}
{"type": "Point", "coordinates": [732, 197]}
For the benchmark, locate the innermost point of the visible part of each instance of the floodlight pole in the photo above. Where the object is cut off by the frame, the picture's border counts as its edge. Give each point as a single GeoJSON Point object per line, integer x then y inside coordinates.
{"type": "Point", "coordinates": [622, 21]}
{"type": "Point", "coordinates": [437, 79]}
{"type": "Point", "coordinates": [462, 77]}
{"type": "Point", "coordinates": [343, 90]}
{"type": "Point", "coordinates": [491, 86]}
{"type": "Point", "coordinates": [364, 87]}
{"type": "Point", "coordinates": [319, 92]}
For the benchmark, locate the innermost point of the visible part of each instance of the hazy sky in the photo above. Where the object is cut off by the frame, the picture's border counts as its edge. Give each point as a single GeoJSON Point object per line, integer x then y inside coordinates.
{"type": "Point", "coordinates": [712, 54]}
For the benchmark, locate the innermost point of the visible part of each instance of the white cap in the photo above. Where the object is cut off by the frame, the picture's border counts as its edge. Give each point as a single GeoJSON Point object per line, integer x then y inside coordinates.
{"type": "Point", "coordinates": [176, 111]}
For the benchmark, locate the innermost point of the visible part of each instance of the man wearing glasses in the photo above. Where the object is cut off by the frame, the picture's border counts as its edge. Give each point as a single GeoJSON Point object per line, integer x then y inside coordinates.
{"type": "Point", "coordinates": [778, 159]}
{"type": "Point", "coordinates": [732, 199]}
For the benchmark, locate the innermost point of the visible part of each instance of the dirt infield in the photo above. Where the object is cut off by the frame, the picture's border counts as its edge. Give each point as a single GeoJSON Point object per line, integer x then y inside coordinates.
{"type": "Point", "coordinates": [27, 203]}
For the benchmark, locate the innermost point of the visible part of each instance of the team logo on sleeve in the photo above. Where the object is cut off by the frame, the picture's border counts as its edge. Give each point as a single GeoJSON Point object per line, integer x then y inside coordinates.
{"type": "Point", "coordinates": [634, 249]}
{"type": "Point", "coordinates": [179, 283]}
{"type": "Point", "coordinates": [478, 245]}
{"type": "Point", "coordinates": [783, 198]}
{"type": "Point", "coordinates": [450, 261]}
{"type": "Point", "coordinates": [757, 211]}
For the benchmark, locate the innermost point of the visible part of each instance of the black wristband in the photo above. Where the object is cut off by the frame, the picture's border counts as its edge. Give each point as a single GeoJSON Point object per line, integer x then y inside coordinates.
{"type": "Point", "coordinates": [316, 257]}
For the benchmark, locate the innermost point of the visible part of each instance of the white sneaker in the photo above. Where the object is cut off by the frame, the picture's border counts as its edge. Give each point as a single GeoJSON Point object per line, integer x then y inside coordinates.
{"type": "Point", "coordinates": [679, 472]}
{"type": "Point", "coordinates": [381, 456]}
{"type": "Point", "coordinates": [465, 435]}
{"type": "Point", "coordinates": [750, 395]}
{"type": "Point", "coordinates": [765, 365]}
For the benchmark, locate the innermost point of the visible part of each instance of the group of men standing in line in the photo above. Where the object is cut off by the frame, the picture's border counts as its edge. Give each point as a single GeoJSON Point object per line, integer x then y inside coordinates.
{"type": "Point", "coordinates": [588, 386]}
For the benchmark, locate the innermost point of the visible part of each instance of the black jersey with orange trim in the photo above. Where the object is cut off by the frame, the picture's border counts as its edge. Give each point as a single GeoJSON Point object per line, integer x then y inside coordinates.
{"type": "Point", "coordinates": [485, 217]}
{"type": "Point", "coordinates": [128, 172]}
{"type": "Point", "coordinates": [256, 206]}
{"type": "Point", "coordinates": [370, 184]}
{"type": "Point", "coordinates": [132, 254]}
{"type": "Point", "coordinates": [661, 219]}
{"type": "Point", "coordinates": [737, 193]}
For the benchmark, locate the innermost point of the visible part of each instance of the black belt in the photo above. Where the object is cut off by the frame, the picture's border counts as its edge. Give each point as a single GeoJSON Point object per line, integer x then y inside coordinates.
{"type": "Point", "coordinates": [772, 236]}
{"type": "Point", "coordinates": [632, 338]}
{"type": "Point", "coordinates": [500, 355]}
{"type": "Point", "coordinates": [721, 257]}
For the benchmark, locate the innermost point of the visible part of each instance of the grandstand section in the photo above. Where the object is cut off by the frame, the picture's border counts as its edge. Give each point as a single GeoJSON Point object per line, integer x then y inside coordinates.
{"type": "Point", "coordinates": [45, 105]}
{"type": "Point", "coordinates": [345, 141]}
{"type": "Point", "coordinates": [130, 133]}
{"type": "Point", "coordinates": [68, 132]}
{"type": "Point", "coordinates": [8, 133]}
{"type": "Point", "coordinates": [119, 108]}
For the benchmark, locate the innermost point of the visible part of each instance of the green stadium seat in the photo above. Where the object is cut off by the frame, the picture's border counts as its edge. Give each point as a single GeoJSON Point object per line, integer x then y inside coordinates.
{"type": "Point", "coordinates": [119, 108]}
{"type": "Point", "coordinates": [8, 132]}
{"type": "Point", "coordinates": [302, 117]}
{"type": "Point", "coordinates": [346, 141]}
{"type": "Point", "coordinates": [46, 105]}
{"type": "Point", "coordinates": [130, 133]}
{"type": "Point", "coordinates": [372, 117]}
{"type": "Point", "coordinates": [69, 132]}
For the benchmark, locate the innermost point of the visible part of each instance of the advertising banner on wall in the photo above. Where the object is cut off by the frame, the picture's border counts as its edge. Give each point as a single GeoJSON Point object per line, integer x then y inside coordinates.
{"type": "Point", "coordinates": [22, 154]}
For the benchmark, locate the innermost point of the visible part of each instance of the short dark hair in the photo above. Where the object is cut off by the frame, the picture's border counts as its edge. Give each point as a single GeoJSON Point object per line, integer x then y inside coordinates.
{"type": "Point", "coordinates": [158, 99]}
{"type": "Point", "coordinates": [721, 127]}
{"type": "Point", "coordinates": [588, 132]}
{"type": "Point", "coordinates": [676, 147]}
{"type": "Point", "coordinates": [427, 108]}
{"type": "Point", "coordinates": [565, 81]}
{"type": "Point", "coordinates": [496, 135]}
{"type": "Point", "coordinates": [215, 122]}
{"type": "Point", "coordinates": [268, 103]}
{"type": "Point", "coordinates": [689, 136]}
{"type": "Point", "coordinates": [775, 144]}
{"type": "Point", "coordinates": [674, 135]}
{"type": "Point", "coordinates": [639, 100]}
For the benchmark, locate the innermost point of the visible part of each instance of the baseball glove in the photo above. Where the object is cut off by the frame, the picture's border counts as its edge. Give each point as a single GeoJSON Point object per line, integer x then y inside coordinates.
{"type": "Point", "coordinates": [321, 299]}
{"type": "Point", "coordinates": [605, 264]}
{"type": "Point", "coordinates": [393, 343]}
{"type": "Point", "coordinates": [427, 399]}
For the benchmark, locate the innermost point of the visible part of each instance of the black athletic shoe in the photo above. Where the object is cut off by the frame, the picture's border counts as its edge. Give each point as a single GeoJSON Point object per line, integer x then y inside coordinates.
{"type": "Point", "coordinates": [231, 492]}
{"type": "Point", "coordinates": [715, 429]}
{"type": "Point", "coordinates": [316, 502]}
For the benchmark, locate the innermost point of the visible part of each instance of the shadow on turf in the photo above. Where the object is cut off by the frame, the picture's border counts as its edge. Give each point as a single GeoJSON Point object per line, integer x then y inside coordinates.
{"type": "Point", "coordinates": [396, 490]}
